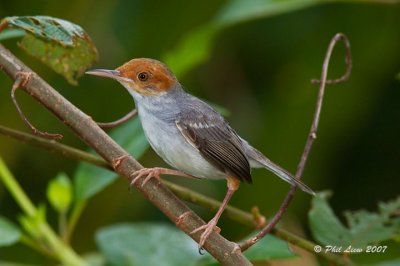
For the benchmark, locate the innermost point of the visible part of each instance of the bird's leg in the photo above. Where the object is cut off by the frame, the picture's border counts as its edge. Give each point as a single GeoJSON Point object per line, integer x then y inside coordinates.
{"type": "Point", "coordinates": [233, 185]}
{"type": "Point", "coordinates": [155, 172]}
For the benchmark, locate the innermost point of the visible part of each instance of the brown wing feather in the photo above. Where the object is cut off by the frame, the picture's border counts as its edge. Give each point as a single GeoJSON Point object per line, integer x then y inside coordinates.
{"type": "Point", "coordinates": [218, 144]}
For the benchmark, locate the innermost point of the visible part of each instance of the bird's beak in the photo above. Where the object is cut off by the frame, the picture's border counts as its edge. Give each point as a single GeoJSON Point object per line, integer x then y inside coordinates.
{"type": "Point", "coordinates": [114, 74]}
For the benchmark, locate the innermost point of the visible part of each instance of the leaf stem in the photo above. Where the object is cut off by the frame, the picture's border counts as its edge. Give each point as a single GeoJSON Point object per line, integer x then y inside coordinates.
{"type": "Point", "coordinates": [73, 219]}
{"type": "Point", "coordinates": [26, 240]}
{"type": "Point", "coordinates": [62, 224]}
{"type": "Point", "coordinates": [15, 190]}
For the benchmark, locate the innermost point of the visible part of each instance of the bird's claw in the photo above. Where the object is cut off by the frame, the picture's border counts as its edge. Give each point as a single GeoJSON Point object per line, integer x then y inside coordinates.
{"type": "Point", "coordinates": [148, 172]}
{"type": "Point", "coordinates": [208, 229]}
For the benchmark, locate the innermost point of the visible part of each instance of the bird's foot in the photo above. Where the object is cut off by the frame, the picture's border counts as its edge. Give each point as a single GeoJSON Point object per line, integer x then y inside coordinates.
{"type": "Point", "coordinates": [208, 229]}
{"type": "Point", "coordinates": [155, 172]}
{"type": "Point", "coordinates": [148, 172]}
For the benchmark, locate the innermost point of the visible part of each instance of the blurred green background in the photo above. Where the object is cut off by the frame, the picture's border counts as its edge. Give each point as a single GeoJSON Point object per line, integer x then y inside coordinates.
{"type": "Point", "coordinates": [260, 70]}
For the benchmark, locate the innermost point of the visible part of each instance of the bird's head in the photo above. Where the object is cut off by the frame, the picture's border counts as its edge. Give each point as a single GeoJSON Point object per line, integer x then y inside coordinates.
{"type": "Point", "coordinates": [147, 77]}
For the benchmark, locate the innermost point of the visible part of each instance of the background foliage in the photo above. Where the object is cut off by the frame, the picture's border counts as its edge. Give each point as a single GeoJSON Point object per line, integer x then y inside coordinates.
{"type": "Point", "coordinates": [259, 68]}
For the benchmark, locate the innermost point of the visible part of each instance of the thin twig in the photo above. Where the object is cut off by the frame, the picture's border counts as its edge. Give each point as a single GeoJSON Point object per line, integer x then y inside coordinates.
{"type": "Point", "coordinates": [120, 121]}
{"type": "Point", "coordinates": [20, 81]}
{"type": "Point", "coordinates": [349, 66]}
{"type": "Point", "coordinates": [220, 248]}
{"type": "Point", "coordinates": [183, 193]}
{"type": "Point", "coordinates": [311, 136]}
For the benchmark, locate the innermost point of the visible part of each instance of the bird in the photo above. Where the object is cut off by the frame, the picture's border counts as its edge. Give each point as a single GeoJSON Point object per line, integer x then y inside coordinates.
{"type": "Point", "coordinates": [188, 134]}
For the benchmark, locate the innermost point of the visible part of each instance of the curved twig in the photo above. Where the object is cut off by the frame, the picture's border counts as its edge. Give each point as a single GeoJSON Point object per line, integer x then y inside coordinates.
{"type": "Point", "coordinates": [120, 121]}
{"type": "Point", "coordinates": [311, 136]}
{"type": "Point", "coordinates": [21, 81]}
{"type": "Point", "coordinates": [348, 61]}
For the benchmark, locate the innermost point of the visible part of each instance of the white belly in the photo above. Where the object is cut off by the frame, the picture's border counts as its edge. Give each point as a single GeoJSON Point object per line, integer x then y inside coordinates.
{"type": "Point", "coordinates": [167, 141]}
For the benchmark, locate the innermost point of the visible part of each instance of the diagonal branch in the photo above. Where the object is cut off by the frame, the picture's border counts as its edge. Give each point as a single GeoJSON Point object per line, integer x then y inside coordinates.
{"type": "Point", "coordinates": [223, 250]}
{"type": "Point", "coordinates": [312, 134]}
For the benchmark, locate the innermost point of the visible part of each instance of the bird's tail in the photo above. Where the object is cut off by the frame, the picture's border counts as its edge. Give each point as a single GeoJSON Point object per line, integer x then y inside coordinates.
{"type": "Point", "coordinates": [257, 159]}
{"type": "Point", "coordinates": [283, 174]}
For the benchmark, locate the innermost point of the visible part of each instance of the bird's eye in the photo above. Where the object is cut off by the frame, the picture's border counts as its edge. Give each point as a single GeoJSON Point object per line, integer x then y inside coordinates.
{"type": "Point", "coordinates": [143, 76]}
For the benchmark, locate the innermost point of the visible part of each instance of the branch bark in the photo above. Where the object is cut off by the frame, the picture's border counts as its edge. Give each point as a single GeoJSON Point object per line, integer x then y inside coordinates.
{"type": "Point", "coordinates": [224, 251]}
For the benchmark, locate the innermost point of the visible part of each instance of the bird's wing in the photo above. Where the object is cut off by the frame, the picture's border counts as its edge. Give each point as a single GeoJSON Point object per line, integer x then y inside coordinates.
{"type": "Point", "coordinates": [216, 142]}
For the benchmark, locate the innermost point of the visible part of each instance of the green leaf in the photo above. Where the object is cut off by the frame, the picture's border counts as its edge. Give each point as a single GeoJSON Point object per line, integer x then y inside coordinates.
{"type": "Point", "coordinates": [268, 248]}
{"type": "Point", "coordinates": [11, 33]}
{"type": "Point", "coordinates": [146, 244]}
{"type": "Point", "coordinates": [195, 48]}
{"type": "Point", "coordinates": [48, 28]}
{"type": "Point", "coordinates": [62, 45]}
{"type": "Point", "coordinates": [152, 243]}
{"type": "Point", "coordinates": [94, 259]}
{"type": "Point", "coordinates": [89, 179]}
{"type": "Point", "coordinates": [369, 227]}
{"type": "Point", "coordinates": [70, 62]}
{"type": "Point", "coordinates": [395, 262]}
{"type": "Point", "coordinates": [363, 227]}
{"type": "Point", "coordinates": [10, 233]}
{"type": "Point", "coordinates": [325, 226]}
{"type": "Point", "coordinates": [238, 11]}
{"type": "Point", "coordinates": [59, 193]}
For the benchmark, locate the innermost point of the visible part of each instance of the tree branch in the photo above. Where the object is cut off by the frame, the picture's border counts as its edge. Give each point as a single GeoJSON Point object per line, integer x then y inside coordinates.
{"type": "Point", "coordinates": [182, 192]}
{"type": "Point", "coordinates": [224, 251]}
{"type": "Point", "coordinates": [312, 135]}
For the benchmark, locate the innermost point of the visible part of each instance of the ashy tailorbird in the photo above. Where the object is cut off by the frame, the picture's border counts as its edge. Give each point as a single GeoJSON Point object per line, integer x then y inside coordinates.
{"type": "Point", "coordinates": [188, 133]}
